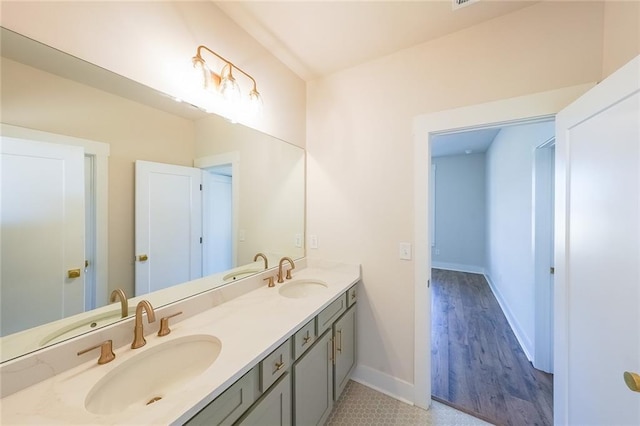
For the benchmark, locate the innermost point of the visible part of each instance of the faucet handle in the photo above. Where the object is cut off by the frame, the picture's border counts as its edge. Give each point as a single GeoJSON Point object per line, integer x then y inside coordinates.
{"type": "Point", "coordinates": [106, 351]}
{"type": "Point", "coordinates": [164, 324]}
{"type": "Point", "coordinates": [289, 273]}
{"type": "Point", "coordinates": [269, 281]}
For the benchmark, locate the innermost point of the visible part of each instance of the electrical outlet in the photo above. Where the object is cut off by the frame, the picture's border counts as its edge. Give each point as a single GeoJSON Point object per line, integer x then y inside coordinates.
{"type": "Point", "coordinates": [313, 241]}
{"type": "Point", "coordinates": [405, 251]}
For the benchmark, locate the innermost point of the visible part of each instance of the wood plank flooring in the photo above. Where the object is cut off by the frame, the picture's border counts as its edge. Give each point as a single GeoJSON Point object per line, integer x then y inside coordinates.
{"type": "Point", "coordinates": [477, 364]}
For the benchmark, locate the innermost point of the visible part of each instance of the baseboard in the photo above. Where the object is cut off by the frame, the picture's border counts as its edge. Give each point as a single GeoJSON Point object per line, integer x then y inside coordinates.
{"type": "Point", "coordinates": [524, 342]}
{"type": "Point", "coordinates": [382, 382]}
{"type": "Point", "coordinates": [458, 267]}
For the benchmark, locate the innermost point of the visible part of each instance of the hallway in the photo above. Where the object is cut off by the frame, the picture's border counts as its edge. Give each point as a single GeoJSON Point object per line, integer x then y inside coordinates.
{"type": "Point", "coordinates": [477, 363]}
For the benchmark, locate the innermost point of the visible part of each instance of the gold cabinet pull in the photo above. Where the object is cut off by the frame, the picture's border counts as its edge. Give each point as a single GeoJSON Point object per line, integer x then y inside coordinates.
{"type": "Point", "coordinates": [306, 339]}
{"type": "Point", "coordinates": [339, 345]}
{"type": "Point", "coordinates": [143, 258]}
{"type": "Point", "coordinates": [73, 273]}
{"type": "Point", "coordinates": [279, 366]}
{"type": "Point", "coordinates": [632, 380]}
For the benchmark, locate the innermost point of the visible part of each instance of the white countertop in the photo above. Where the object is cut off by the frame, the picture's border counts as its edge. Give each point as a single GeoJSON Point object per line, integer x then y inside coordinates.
{"type": "Point", "coordinates": [249, 327]}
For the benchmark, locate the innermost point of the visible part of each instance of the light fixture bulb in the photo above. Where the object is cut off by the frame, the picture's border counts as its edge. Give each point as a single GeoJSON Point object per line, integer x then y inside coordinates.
{"type": "Point", "coordinates": [202, 72]}
{"type": "Point", "coordinates": [229, 88]}
{"type": "Point", "coordinates": [255, 103]}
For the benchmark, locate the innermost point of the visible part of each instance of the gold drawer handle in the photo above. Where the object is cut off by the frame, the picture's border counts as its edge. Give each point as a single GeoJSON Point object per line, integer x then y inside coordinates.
{"type": "Point", "coordinates": [306, 339]}
{"type": "Point", "coordinates": [353, 295]}
{"type": "Point", "coordinates": [279, 366]}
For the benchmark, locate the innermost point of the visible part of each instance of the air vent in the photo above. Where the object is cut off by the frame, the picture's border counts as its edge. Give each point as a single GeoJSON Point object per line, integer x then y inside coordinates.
{"type": "Point", "coordinates": [457, 4]}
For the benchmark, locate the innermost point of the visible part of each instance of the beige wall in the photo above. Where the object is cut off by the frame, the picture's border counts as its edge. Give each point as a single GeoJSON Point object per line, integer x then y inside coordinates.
{"type": "Point", "coordinates": [360, 146]}
{"type": "Point", "coordinates": [621, 34]}
{"type": "Point", "coordinates": [153, 42]}
{"type": "Point", "coordinates": [272, 184]}
{"type": "Point", "coordinates": [38, 100]}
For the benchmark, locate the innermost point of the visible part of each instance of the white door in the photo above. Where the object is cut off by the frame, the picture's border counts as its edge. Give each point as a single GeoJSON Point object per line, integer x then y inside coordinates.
{"type": "Point", "coordinates": [597, 280]}
{"type": "Point", "coordinates": [168, 225]}
{"type": "Point", "coordinates": [42, 236]}
{"type": "Point", "coordinates": [217, 223]}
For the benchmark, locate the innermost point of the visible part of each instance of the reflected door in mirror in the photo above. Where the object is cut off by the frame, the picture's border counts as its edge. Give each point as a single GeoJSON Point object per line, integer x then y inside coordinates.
{"type": "Point", "coordinates": [42, 215]}
{"type": "Point", "coordinates": [168, 225]}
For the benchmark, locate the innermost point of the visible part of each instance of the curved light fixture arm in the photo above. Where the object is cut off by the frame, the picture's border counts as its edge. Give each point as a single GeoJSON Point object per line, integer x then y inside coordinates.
{"type": "Point", "coordinates": [230, 64]}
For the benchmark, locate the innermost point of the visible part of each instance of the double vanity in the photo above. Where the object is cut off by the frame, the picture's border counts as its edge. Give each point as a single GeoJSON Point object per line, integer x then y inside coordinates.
{"type": "Point", "coordinates": [245, 353]}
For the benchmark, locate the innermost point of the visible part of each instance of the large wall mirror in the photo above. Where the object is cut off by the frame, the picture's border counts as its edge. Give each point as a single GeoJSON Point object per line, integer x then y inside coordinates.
{"type": "Point", "coordinates": [140, 158]}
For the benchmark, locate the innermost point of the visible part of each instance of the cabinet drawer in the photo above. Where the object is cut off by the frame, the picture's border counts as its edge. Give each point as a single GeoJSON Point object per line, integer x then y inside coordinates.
{"type": "Point", "coordinates": [304, 338]}
{"type": "Point", "coordinates": [331, 313]}
{"type": "Point", "coordinates": [231, 404]}
{"type": "Point", "coordinates": [274, 365]}
{"type": "Point", "coordinates": [352, 295]}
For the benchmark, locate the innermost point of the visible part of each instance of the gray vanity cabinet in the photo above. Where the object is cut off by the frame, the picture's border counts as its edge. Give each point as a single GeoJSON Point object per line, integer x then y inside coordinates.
{"type": "Point", "coordinates": [313, 384]}
{"type": "Point", "coordinates": [273, 408]}
{"type": "Point", "coordinates": [344, 337]}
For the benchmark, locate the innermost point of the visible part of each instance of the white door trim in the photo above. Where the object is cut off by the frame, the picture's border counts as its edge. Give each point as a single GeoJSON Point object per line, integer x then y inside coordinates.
{"type": "Point", "coordinates": [100, 151]}
{"type": "Point", "coordinates": [508, 111]}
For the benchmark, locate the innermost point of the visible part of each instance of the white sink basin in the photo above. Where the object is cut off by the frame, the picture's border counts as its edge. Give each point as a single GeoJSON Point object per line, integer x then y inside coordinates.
{"type": "Point", "coordinates": [82, 326]}
{"type": "Point", "coordinates": [153, 374]}
{"type": "Point", "coordinates": [240, 274]}
{"type": "Point", "coordinates": [297, 289]}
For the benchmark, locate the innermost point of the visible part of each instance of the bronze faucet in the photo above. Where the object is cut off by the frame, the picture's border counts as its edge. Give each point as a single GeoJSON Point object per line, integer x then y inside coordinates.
{"type": "Point", "coordinates": [118, 293]}
{"type": "Point", "coordinates": [138, 332]}
{"type": "Point", "coordinates": [266, 261]}
{"type": "Point", "coordinates": [280, 274]}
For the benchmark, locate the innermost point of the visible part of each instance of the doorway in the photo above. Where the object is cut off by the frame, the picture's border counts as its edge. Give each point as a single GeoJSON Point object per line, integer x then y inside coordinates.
{"type": "Point", "coordinates": [537, 106]}
{"type": "Point", "coordinates": [487, 182]}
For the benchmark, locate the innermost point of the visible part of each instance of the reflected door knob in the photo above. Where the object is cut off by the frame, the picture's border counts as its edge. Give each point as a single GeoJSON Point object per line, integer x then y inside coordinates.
{"type": "Point", "coordinates": [632, 380]}
{"type": "Point", "coordinates": [73, 273]}
{"type": "Point", "coordinates": [143, 258]}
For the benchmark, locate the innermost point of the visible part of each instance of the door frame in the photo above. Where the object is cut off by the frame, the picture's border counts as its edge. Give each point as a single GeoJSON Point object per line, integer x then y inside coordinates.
{"type": "Point", "coordinates": [100, 152]}
{"type": "Point", "coordinates": [539, 106]}
{"type": "Point", "coordinates": [232, 158]}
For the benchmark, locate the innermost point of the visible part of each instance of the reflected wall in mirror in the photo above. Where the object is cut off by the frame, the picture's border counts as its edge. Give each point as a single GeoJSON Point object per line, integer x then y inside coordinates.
{"type": "Point", "coordinates": [49, 91]}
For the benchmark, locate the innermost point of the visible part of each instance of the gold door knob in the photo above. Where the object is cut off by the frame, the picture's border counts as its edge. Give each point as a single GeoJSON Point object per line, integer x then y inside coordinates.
{"type": "Point", "coordinates": [73, 273]}
{"type": "Point", "coordinates": [632, 380]}
{"type": "Point", "coordinates": [143, 258]}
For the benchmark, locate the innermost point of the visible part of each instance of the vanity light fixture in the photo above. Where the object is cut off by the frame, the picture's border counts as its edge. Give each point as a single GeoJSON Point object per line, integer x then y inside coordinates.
{"type": "Point", "coordinates": [225, 83]}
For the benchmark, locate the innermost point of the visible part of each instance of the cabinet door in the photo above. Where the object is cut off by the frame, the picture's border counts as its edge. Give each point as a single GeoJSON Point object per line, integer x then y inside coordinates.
{"type": "Point", "coordinates": [313, 384]}
{"type": "Point", "coordinates": [344, 336]}
{"type": "Point", "coordinates": [274, 408]}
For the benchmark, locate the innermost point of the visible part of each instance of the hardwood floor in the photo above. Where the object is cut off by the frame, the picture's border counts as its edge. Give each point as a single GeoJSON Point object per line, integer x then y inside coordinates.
{"type": "Point", "coordinates": [476, 362]}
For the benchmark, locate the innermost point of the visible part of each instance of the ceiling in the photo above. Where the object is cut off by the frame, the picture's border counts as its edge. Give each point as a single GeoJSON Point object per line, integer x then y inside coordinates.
{"type": "Point", "coordinates": [469, 142]}
{"type": "Point", "coordinates": [317, 38]}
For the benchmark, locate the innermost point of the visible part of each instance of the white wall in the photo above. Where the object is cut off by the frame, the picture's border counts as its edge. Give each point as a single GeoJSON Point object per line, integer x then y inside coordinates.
{"type": "Point", "coordinates": [360, 151]}
{"type": "Point", "coordinates": [460, 212]}
{"type": "Point", "coordinates": [510, 216]}
{"type": "Point", "coordinates": [152, 42]}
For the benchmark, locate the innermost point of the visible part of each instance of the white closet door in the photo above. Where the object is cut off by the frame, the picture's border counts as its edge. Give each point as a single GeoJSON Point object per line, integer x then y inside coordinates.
{"type": "Point", "coordinates": [42, 236]}
{"type": "Point", "coordinates": [168, 225]}
{"type": "Point", "coordinates": [598, 253]}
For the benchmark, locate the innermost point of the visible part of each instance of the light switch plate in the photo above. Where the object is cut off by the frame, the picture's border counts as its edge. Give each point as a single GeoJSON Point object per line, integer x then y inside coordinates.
{"type": "Point", "coordinates": [313, 241]}
{"type": "Point", "coordinates": [241, 235]}
{"type": "Point", "coordinates": [298, 240]}
{"type": "Point", "coordinates": [405, 251]}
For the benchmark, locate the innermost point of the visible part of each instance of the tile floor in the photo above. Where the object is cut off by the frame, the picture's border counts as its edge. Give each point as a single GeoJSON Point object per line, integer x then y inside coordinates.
{"type": "Point", "coordinates": [360, 405]}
